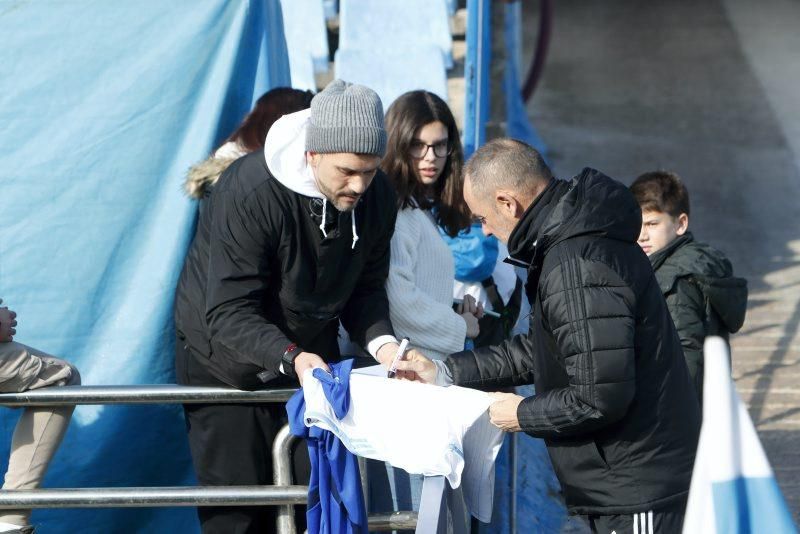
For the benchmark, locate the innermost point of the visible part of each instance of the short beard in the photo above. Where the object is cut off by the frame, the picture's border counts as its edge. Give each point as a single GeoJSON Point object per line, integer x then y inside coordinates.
{"type": "Point", "coordinates": [343, 209]}
{"type": "Point", "coordinates": [332, 198]}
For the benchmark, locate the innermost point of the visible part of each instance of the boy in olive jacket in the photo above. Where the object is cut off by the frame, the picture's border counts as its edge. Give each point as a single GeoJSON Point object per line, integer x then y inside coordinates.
{"type": "Point", "coordinates": [703, 296]}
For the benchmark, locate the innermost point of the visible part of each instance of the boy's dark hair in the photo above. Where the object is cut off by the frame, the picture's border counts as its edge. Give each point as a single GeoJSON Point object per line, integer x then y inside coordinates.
{"type": "Point", "coordinates": [661, 191]}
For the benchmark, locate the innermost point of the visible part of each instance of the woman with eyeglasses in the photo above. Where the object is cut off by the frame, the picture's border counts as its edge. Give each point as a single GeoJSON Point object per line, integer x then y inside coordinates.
{"type": "Point", "coordinates": [424, 161]}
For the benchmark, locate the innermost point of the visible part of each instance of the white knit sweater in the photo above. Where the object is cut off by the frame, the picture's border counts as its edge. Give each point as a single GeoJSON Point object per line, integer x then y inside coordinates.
{"type": "Point", "coordinates": [420, 287]}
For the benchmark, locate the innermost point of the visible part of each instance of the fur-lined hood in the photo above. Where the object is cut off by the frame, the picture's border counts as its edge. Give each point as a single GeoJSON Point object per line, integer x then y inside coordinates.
{"type": "Point", "coordinates": [202, 176]}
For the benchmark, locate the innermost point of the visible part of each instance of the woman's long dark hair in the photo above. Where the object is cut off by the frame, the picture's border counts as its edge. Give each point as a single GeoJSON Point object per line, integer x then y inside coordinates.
{"type": "Point", "coordinates": [410, 112]}
{"type": "Point", "coordinates": [274, 104]}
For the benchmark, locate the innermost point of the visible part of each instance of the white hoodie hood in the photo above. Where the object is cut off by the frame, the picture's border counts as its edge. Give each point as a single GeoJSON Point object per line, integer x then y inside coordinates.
{"type": "Point", "coordinates": [285, 153]}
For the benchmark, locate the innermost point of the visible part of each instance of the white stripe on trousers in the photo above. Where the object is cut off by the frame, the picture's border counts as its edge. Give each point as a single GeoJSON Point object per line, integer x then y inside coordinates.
{"type": "Point", "coordinates": [646, 520]}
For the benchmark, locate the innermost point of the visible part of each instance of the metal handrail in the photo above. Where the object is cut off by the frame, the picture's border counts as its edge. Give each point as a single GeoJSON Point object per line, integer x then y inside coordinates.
{"type": "Point", "coordinates": [282, 476]}
{"type": "Point", "coordinates": [282, 494]}
{"type": "Point", "coordinates": [144, 394]}
{"type": "Point", "coordinates": [149, 496]}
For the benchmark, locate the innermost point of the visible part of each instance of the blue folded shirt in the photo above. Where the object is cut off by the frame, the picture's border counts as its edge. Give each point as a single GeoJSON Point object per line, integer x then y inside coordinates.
{"type": "Point", "coordinates": [335, 498]}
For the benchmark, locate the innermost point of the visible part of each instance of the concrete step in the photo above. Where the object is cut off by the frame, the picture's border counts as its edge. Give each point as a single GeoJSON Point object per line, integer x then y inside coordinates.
{"type": "Point", "coordinates": [765, 343]}
{"type": "Point", "coordinates": [775, 353]}
{"type": "Point", "coordinates": [767, 406]}
{"type": "Point", "coordinates": [767, 330]}
{"type": "Point", "coordinates": [755, 320]}
{"type": "Point", "coordinates": [763, 382]}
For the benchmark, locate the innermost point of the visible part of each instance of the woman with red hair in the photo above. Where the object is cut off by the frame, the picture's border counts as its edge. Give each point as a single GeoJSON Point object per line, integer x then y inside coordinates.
{"type": "Point", "coordinates": [248, 137]}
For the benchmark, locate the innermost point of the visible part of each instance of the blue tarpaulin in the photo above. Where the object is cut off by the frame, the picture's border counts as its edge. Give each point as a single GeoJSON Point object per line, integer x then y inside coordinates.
{"type": "Point", "coordinates": [527, 492]}
{"type": "Point", "coordinates": [103, 107]}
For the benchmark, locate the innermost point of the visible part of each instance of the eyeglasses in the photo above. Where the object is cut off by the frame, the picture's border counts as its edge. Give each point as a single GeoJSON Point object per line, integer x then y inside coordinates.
{"type": "Point", "coordinates": [419, 149]}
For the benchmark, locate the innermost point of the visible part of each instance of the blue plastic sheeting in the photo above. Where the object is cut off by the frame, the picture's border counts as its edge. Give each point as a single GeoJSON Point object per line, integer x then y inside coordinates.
{"type": "Point", "coordinates": [331, 8]}
{"type": "Point", "coordinates": [306, 40]}
{"type": "Point", "coordinates": [452, 7]}
{"type": "Point", "coordinates": [538, 504]}
{"type": "Point", "coordinates": [518, 125]}
{"type": "Point", "coordinates": [474, 254]}
{"type": "Point", "coordinates": [301, 66]}
{"type": "Point", "coordinates": [476, 74]}
{"type": "Point", "coordinates": [535, 505]}
{"type": "Point", "coordinates": [751, 504]}
{"type": "Point", "coordinates": [103, 107]}
{"type": "Point", "coordinates": [392, 72]}
{"type": "Point", "coordinates": [369, 25]}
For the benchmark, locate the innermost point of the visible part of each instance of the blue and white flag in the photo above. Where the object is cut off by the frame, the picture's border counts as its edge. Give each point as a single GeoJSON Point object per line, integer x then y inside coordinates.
{"type": "Point", "coordinates": [733, 488]}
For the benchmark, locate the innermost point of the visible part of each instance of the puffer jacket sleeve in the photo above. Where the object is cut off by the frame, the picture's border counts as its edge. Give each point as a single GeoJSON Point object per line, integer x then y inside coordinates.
{"type": "Point", "coordinates": [507, 364]}
{"type": "Point", "coordinates": [240, 245]}
{"type": "Point", "coordinates": [687, 308]}
{"type": "Point", "coordinates": [366, 315]}
{"type": "Point", "coordinates": [591, 312]}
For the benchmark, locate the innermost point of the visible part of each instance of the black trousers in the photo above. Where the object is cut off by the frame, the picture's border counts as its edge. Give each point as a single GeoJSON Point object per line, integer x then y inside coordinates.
{"type": "Point", "coordinates": [231, 444]}
{"type": "Point", "coordinates": [660, 521]}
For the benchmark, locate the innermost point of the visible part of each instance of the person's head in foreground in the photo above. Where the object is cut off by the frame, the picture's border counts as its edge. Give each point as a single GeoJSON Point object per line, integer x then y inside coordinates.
{"type": "Point", "coordinates": [271, 106]}
{"type": "Point", "coordinates": [665, 209]}
{"type": "Point", "coordinates": [501, 181]}
{"type": "Point", "coordinates": [345, 141]}
{"type": "Point", "coordinates": [424, 158]}
{"type": "Point", "coordinates": [248, 137]}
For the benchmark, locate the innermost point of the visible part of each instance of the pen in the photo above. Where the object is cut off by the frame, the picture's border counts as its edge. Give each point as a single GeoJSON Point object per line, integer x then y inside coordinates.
{"type": "Point", "coordinates": [397, 357]}
{"type": "Point", "coordinates": [486, 312]}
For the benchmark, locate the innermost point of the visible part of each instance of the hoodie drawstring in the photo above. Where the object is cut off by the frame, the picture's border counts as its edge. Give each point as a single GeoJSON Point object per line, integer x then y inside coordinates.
{"type": "Point", "coordinates": [324, 212]}
{"type": "Point", "coordinates": [355, 234]}
{"type": "Point", "coordinates": [352, 223]}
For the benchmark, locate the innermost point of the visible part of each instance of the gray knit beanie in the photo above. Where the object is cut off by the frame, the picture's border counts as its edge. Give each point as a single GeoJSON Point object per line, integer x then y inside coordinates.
{"type": "Point", "coordinates": [346, 118]}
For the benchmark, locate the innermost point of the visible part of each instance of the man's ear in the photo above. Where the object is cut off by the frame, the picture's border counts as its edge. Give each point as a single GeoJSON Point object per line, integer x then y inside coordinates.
{"type": "Point", "coordinates": [683, 224]}
{"type": "Point", "coordinates": [312, 158]}
{"type": "Point", "coordinates": [507, 203]}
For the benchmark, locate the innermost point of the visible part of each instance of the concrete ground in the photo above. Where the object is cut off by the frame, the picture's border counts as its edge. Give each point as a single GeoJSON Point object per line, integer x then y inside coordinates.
{"type": "Point", "coordinates": [709, 90]}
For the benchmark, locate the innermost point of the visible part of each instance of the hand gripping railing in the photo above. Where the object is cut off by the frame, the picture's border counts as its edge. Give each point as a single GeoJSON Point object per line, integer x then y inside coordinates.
{"type": "Point", "coordinates": [282, 493]}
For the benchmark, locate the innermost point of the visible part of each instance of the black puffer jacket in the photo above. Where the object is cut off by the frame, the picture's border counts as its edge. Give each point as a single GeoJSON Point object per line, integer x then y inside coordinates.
{"type": "Point", "coordinates": [260, 275]}
{"type": "Point", "coordinates": [613, 400]}
{"type": "Point", "coordinates": [703, 297]}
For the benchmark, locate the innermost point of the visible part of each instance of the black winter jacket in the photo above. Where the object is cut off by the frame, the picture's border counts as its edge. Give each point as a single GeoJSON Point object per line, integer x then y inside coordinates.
{"type": "Point", "coordinates": [703, 297]}
{"type": "Point", "coordinates": [260, 276]}
{"type": "Point", "coordinates": [613, 400]}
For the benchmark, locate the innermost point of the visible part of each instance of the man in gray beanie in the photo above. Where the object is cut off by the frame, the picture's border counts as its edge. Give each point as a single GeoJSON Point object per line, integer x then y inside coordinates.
{"type": "Point", "coordinates": [290, 242]}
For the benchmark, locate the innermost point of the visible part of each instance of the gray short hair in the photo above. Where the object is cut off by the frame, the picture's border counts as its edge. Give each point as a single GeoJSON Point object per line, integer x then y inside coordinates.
{"type": "Point", "coordinates": [507, 163]}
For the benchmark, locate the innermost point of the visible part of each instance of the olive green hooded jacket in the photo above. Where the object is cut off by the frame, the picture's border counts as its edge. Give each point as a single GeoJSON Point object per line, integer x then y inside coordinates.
{"type": "Point", "coordinates": [703, 297]}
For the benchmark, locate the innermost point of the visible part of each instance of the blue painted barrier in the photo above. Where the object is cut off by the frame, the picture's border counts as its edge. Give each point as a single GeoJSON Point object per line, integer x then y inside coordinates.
{"type": "Point", "coordinates": [476, 74]}
{"type": "Point", "coordinates": [104, 106]}
{"type": "Point", "coordinates": [527, 493]}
